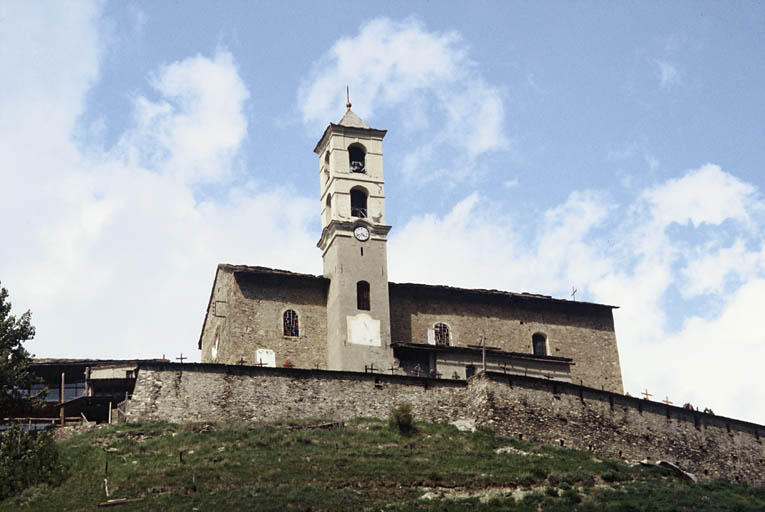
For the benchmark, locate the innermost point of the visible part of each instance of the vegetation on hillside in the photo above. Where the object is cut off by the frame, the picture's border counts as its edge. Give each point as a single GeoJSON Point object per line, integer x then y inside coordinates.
{"type": "Point", "coordinates": [15, 377]}
{"type": "Point", "coordinates": [363, 465]}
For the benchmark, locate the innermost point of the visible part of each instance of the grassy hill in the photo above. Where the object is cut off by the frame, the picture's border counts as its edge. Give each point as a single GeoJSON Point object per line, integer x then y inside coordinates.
{"type": "Point", "coordinates": [359, 466]}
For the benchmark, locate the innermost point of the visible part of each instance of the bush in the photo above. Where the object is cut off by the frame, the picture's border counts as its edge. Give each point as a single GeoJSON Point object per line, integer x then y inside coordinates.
{"type": "Point", "coordinates": [28, 459]}
{"type": "Point", "coordinates": [401, 419]}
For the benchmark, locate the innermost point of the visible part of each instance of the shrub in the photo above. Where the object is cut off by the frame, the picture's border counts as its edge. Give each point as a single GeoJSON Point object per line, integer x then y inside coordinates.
{"type": "Point", "coordinates": [571, 496]}
{"type": "Point", "coordinates": [401, 419]}
{"type": "Point", "coordinates": [27, 459]}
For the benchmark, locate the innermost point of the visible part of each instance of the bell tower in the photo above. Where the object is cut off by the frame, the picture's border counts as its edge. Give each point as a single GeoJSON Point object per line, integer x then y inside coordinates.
{"type": "Point", "coordinates": [353, 245]}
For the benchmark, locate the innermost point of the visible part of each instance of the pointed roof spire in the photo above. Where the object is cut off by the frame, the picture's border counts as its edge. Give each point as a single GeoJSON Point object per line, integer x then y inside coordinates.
{"type": "Point", "coordinates": [350, 119]}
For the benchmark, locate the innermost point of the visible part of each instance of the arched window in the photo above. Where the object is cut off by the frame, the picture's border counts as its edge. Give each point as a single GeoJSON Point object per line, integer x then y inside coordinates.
{"type": "Point", "coordinates": [362, 295]}
{"type": "Point", "coordinates": [539, 344]}
{"type": "Point", "coordinates": [357, 158]}
{"type": "Point", "coordinates": [359, 203]}
{"type": "Point", "coordinates": [291, 326]}
{"type": "Point", "coordinates": [442, 334]}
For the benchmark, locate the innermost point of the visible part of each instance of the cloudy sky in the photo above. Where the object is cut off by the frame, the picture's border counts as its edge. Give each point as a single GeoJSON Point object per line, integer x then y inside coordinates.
{"type": "Point", "coordinates": [618, 148]}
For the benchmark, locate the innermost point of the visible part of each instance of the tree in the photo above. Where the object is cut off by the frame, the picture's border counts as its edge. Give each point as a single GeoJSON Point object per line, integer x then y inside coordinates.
{"type": "Point", "coordinates": [15, 376]}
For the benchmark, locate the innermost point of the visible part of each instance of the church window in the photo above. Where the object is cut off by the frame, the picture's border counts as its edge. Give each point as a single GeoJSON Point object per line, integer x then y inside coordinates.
{"type": "Point", "coordinates": [359, 202]}
{"type": "Point", "coordinates": [356, 158]}
{"type": "Point", "coordinates": [539, 344]}
{"type": "Point", "coordinates": [362, 295]}
{"type": "Point", "coordinates": [442, 334]}
{"type": "Point", "coordinates": [291, 326]}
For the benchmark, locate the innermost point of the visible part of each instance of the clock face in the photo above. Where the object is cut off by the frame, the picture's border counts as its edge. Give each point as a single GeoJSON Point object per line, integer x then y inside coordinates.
{"type": "Point", "coordinates": [361, 233]}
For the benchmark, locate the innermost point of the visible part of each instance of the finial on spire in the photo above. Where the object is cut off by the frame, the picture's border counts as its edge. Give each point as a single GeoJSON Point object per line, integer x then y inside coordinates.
{"type": "Point", "coordinates": [347, 98]}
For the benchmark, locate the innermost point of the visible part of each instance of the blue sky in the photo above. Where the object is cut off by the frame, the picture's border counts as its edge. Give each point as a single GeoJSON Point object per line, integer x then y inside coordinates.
{"type": "Point", "coordinates": [618, 148]}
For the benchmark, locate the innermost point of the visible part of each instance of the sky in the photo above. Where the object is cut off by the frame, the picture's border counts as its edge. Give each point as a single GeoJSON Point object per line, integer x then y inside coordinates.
{"type": "Point", "coordinates": [615, 148]}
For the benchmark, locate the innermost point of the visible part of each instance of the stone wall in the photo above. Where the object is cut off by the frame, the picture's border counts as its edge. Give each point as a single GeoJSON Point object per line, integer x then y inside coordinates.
{"type": "Point", "coordinates": [247, 303]}
{"type": "Point", "coordinates": [616, 426]}
{"type": "Point", "coordinates": [608, 424]}
{"type": "Point", "coordinates": [246, 313]}
{"type": "Point", "coordinates": [210, 392]}
{"type": "Point", "coordinates": [581, 331]}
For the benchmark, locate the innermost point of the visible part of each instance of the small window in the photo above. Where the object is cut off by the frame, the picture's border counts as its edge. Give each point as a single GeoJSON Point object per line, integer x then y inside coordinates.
{"type": "Point", "coordinates": [357, 158]}
{"type": "Point", "coordinates": [539, 344]}
{"type": "Point", "coordinates": [359, 203]}
{"type": "Point", "coordinates": [442, 334]}
{"type": "Point", "coordinates": [362, 295]}
{"type": "Point", "coordinates": [291, 326]}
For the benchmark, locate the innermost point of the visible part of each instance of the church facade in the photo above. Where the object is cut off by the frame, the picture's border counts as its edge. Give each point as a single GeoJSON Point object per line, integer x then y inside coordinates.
{"type": "Point", "coordinates": [353, 318]}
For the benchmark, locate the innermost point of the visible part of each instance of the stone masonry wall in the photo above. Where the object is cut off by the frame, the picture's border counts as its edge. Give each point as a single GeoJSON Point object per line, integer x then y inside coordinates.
{"type": "Point", "coordinates": [582, 332]}
{"type": "Point", "coordinates": [551, 412]}
{"type": "Point", "coordinates": [617, 426]}
{"type": "Point", "coordinates": [211, 392]}
{"type": "Point", "coordinates": [253, 319]}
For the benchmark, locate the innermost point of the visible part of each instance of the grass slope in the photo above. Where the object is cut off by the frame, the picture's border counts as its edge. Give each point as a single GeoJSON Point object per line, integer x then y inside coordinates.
{"type": "Point", "coordinates": [361, 466]}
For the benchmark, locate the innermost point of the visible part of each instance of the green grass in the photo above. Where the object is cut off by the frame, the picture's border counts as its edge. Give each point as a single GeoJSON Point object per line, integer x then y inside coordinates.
{"type": "Point", "coordinates": [362, 466]}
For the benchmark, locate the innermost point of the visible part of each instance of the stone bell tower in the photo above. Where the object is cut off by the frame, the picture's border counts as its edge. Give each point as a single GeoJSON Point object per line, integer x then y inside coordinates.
{"type": "Point", "coordinates": [353, 245]}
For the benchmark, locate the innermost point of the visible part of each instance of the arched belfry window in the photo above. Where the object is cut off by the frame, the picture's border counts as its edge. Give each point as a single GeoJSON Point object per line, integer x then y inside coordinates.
{"type": "Point", "coordinates": [362, 295]}
{"type": "Point", "coordinates": [442, 334]}
{"type": "Point", "coordinates": [359, 203]}
{"type": "Point", "coordinates": [539, 344]}
{"type": "Point", "coordinates": [357, 158]}
{"type": "Point", "coordinates": [291, 325]}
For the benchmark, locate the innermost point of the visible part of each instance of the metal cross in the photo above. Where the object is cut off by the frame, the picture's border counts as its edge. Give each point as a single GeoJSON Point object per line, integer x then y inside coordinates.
{"type": "Point", "coordinates": [646, 394]}
{"type": "Point", "coordinates": [241, 361]}
{"type": "Point", "coordinates": [181, 359]}
{"type": "Point", "coordinates": [666, 401]}
{"type": "Point", "coordinates": [573, 293]}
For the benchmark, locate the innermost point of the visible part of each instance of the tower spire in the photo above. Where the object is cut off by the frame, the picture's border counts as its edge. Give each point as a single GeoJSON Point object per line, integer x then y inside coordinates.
{"type": "Point", "coordinates": [347, 98]}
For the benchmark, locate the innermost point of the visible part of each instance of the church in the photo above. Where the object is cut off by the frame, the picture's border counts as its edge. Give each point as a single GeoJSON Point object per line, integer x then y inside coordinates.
{"type": "Point", "coordinates": [352, 318]}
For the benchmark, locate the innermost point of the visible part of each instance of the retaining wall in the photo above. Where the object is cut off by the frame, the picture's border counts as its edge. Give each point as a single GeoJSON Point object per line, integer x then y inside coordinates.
{"type": "Point", "coordinates": [608, 424]}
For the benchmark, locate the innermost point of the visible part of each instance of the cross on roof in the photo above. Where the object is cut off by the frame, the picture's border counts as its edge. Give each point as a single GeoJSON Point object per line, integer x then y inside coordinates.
{"type": "Point", "coordinates": [182, 358]}
{"type": "Point", "coordinates": [646, 394]}
{"type": "Point", "coordinates": [666, 401]}
{"type": "Point", "coordinates": [241, 361]}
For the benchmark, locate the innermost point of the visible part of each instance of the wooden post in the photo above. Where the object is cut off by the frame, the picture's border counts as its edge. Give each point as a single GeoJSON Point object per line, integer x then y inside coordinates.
{"type": "Point", "coordinates": [63, 417]}
{"type": "Point", "coordinates": [483, 349]}
{"type": "Point", "coordinates": [110, 413]}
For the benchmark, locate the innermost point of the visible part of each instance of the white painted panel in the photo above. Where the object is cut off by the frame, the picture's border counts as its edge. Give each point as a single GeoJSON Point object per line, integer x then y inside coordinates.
{"type": "Point", "coordinates": [266, 357]}
{"type": "Point", "coordinates": [364, 330]}
{"type": "Point", "coordinates": [431, 336]}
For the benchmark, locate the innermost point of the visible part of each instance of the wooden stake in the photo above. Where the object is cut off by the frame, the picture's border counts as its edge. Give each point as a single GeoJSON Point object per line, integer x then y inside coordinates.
{"type": "Point", "coordinates": [63, 418]}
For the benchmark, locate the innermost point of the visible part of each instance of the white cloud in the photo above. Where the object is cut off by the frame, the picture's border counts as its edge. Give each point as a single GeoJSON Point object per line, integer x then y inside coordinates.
{"type": "Point", "coordinates": [626, 255]}
{"type": "Point", "coordinates": [710, 269]}
{"type": "Point", "coordinates": [193, 130]}
{"type": "Point", "coordinates": [704, 196]}
{"type": "Point", "coordinates": [392, 64]}
{"type": "Point", "coordinates": [112, 251]}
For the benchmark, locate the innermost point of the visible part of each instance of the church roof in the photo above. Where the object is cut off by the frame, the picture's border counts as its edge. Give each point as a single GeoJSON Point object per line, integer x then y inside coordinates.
{"type": "Point", "coordinates": [351, 120]}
